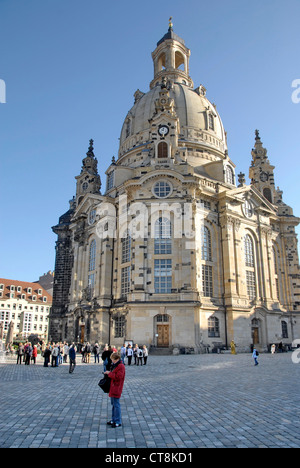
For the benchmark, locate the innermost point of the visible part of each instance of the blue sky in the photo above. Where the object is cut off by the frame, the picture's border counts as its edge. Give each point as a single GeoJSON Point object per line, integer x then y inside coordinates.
{"type": "Point", "coordinates": [71, 68]}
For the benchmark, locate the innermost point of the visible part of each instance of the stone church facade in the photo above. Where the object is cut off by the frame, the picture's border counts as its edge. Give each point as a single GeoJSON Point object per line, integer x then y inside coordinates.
{"type": "Point", "coordinates": [175, 253]}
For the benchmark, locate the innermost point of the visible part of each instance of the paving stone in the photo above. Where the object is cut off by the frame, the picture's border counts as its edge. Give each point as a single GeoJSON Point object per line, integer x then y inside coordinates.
{"type": "Point", "coordinates": [173, 402]}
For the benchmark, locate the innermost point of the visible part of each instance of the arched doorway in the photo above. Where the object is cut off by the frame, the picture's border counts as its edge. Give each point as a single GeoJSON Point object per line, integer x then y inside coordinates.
{"type": "Point", "coordinates": [255, 331]}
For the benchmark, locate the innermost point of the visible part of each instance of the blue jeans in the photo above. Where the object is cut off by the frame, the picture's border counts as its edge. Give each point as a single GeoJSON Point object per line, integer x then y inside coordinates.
{"type": "Point", "coordinates": [116, 410]}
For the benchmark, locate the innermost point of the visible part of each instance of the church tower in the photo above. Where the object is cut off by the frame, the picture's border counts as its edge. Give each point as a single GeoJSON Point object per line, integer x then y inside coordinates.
{"type": "Point", "coordinates": [89, 180]}
{"type": "Point", "coordinates": [261, 171]}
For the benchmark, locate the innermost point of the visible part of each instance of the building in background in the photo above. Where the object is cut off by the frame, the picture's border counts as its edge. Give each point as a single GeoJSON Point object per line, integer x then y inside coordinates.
{"type": "Point", "coordinates": [179, 252]}
{"type": "Point", "coordinates": [27, 305]}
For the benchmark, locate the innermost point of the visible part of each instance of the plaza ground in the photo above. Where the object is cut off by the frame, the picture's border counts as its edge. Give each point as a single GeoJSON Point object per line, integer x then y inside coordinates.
{"type": "Point", "coordinates": [185, 401]}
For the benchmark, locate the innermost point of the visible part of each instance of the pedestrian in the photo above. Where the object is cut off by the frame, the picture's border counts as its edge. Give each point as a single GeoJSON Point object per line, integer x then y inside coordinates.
{"type": "Point", "coordinates": [139, 355]}
{"type": "Point", "coordinates": [255, 356]}
{"type": "Point", "coordinates": [20, 353]}
{"type": "Point", "coordinates": [28, 354]}
{"type": "Point", "coordinates": [88, 351]}
{"type": "Point", "coordinates": [135, 350]}
{"type": "Point", "coordinates": [72, 358]}
{"type": "Point", "coordinates": [34, 354]}
{"type": "Point", "coordinates": [96, 351]}
{"type": "Point", "coordinates": [54, 355]}
{"type": "Point", "coordinates": [47, 354]}
{"type": "Point", "coordinates": [117, 376]}
{"type": "Point", "coordinates": [66, 352]}
{"type": "Point", "coordinates": [106, 358]}
{"type": "Point", "coordinates": [145, 354]}
{"type": "Point", "coordinates": [129, 354]}
{"type": "Point", "coordinates": [123, 353]}
{"type": "Point", "coordinates": [233, 347]}
{"type": "Point", "coordinates": [273, 349]}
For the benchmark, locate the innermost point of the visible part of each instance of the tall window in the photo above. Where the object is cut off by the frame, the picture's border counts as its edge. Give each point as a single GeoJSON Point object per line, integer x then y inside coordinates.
{"type": "Point", "coordinates": [126, 248]}
{"type": "Point", "coordinates": [207, 281]}
{"type": "Point", "coordinates": [162, 240]}
{"type": "Point", "coordinates": [206, 244]}
{"type": "Point", "coordinates": [250, 264]}
{"type": "Point", "coordinates": [125, 280]}
{"type": "Point", "coordinates": [210, 122]}
{"type": "Point", "coordinates": [229, 177]}
{"type": "Point", "coordinates": [284, 329]}
{"type": "Point", "coordinates": [110, 180]}
{"type": "Point", "coordinates": [163, 275]}
{"type": "Point", "coordinates": [92, 256]}
{"type": "Point", "coordinates": [275, 258]}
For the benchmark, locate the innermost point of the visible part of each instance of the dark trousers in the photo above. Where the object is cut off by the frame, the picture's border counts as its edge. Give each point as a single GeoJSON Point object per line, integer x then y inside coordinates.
{"type": "Point", "coordinates": [72, 365]}
{"type": "Point", "coordinates": [19, 360]}
{"type": "Point", "coordinates": [129, 360]}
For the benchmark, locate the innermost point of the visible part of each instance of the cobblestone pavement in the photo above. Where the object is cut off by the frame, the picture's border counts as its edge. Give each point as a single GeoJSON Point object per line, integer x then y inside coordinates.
{"type": "Point", "coordinates": [185, 401]}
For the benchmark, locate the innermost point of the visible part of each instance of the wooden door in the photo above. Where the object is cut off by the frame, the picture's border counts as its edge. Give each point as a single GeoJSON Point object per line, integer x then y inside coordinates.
{"type": "Point", "coordinates": [255, 335]}
{"type": "Point", "coordinates": [82, 334]}
{"type": "Point", "coordinates": [163, 336]}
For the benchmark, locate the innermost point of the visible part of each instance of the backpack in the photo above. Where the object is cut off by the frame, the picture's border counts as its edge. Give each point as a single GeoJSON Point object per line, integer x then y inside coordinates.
{"type": "Point", "coordinates": [140, 353]}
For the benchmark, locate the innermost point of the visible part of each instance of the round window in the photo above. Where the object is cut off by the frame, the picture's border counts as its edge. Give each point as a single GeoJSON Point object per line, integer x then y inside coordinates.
{"type": "Point", "coordinates": [162, 189]}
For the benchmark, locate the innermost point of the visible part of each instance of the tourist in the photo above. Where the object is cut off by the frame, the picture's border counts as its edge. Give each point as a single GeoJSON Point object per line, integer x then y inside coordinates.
{"type": "Point", "coordinates": [255, 356]}
{"type": "Point", "coordinates": [117, 376]}
{"type": "Point", "coordinates": [106, 358]}
{"type": "Point", "coordinates": [96, 351]}
{"type": "Point", "coordinates": [54, 355]}
{"type": "Point", "coordinates": [273, 349]}
{"type": "Point", "coordinates": [66, 352]}
{"type": "Point", "coordinates": [20, 353]}
{"type": "Point", "coordinates": [145, 354]}
{"type": "Point", "coordinates": [123, 353]}
{"type": "Point", "coordinates": [28, 354]}
{"type": "Point", "coordinates": [129, 354]}
{"type": "Point", "coordinates": [88, 353]}
{"type": "Point", "coordinates": [135, 351]}
{"type": "Point", "coordinates": [72, 358]}
{"type": "Point", "coordinates": [139, 356]}
{"type": "Point", "coordinates": [34, 354]}
{"type": "Point", "coordinates": [47, 354]}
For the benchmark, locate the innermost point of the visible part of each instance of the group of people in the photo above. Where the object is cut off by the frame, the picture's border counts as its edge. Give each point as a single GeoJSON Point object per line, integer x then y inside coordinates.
{"type": "Point", "coordinates": [27, 353]}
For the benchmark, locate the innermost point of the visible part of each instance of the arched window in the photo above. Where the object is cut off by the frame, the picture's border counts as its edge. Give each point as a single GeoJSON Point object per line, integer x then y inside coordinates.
{"type": "Point", "coordinates": [267, 194]}
{"type": "Point", "coordinates": [179, 61]}
{"type": "Point", "coordinates": [213, 327]}
{"type": "Point", "coordinates": [206, 244]}
{"type": "Point", "coordinates": [92, 256]}
{"type": "Point", "coordinates": [126, 248]}
{"type": "Point", "coordinates": [229, 176]}
{"type": "Point", "coordinates": [284, 329]}
{"type": "Point", "coordinates": [162, 150]}
{"type": "Point", "coordinates": [163, 236]}
{"type": "Point", "coordinates": [249, 255]}
{"type": "Point", "coordinates": [250, 264]}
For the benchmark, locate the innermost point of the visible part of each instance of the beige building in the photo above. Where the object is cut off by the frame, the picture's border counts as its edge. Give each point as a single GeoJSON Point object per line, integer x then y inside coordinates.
{"type": "Point", "coordinates": [176, 253]}
{"type": "Point", "coordinates": [27, 305]}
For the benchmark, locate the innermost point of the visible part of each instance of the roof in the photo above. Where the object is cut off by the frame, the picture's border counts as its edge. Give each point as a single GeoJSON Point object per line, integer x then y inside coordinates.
{"type": "Point", "coordinates": [171, 35]}
{"type": "Point", "coordinates": [24, 285]}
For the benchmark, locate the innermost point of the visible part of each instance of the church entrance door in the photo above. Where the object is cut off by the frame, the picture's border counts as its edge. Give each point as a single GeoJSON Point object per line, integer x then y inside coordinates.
{"type": "Point", "coordinates": [163, 335]}
{"type": "Point", "coordinates": [82, 327]}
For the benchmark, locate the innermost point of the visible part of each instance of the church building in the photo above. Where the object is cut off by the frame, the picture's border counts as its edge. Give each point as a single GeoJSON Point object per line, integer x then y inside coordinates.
{"type": "Point", "coordinates": [177, 251]}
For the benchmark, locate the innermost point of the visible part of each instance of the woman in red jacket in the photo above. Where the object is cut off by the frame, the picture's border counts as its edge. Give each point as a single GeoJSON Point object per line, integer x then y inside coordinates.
{"type": "Point", "coordinates": [117, 376]}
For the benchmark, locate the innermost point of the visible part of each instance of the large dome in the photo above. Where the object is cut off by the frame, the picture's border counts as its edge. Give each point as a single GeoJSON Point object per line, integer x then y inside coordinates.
{"type": "Point", "coordinates": [198, 125]}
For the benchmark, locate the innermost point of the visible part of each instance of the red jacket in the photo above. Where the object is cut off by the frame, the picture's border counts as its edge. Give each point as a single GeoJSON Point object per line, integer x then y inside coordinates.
{"type": "Point", "coordinates": [117, 377]}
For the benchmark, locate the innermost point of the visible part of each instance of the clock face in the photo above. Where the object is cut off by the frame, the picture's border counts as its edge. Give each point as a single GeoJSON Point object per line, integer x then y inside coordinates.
{"type": "Point", "coordinates": [264, 176]}
{"type": "Point", "coordinates": [163, 130]}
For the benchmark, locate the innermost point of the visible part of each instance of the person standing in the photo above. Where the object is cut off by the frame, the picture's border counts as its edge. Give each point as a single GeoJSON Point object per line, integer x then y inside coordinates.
{"type": "Point", "coordinates": [139, 353]}
{"type": "Point", "coordinates": [123, 353]}
{"type": "Point", "coordinates": [20, 353]}
{"type": "Point", "coordinates": [96, 351]}
{"type": "Point", "coordinates": [66, 352]}
{"type": "Point", "coordinates": [72, 358]}
{"type": "Point", "coordinates": [28, 354]}
{"type": "Point", "coordinates": [117, 376]}
{"type": "Point", "coordinates": [255, 356]}
{"type": "Point", "coordinates": [145, 354]}
{"type": "Point", "coordinates": [129, 354]}
{"type": "Point", "coordinates": [47, 354]}
{"type": "Point", "coordinates": [273, 349]}
{"type": "Point", "coordinates": [34, 354]}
